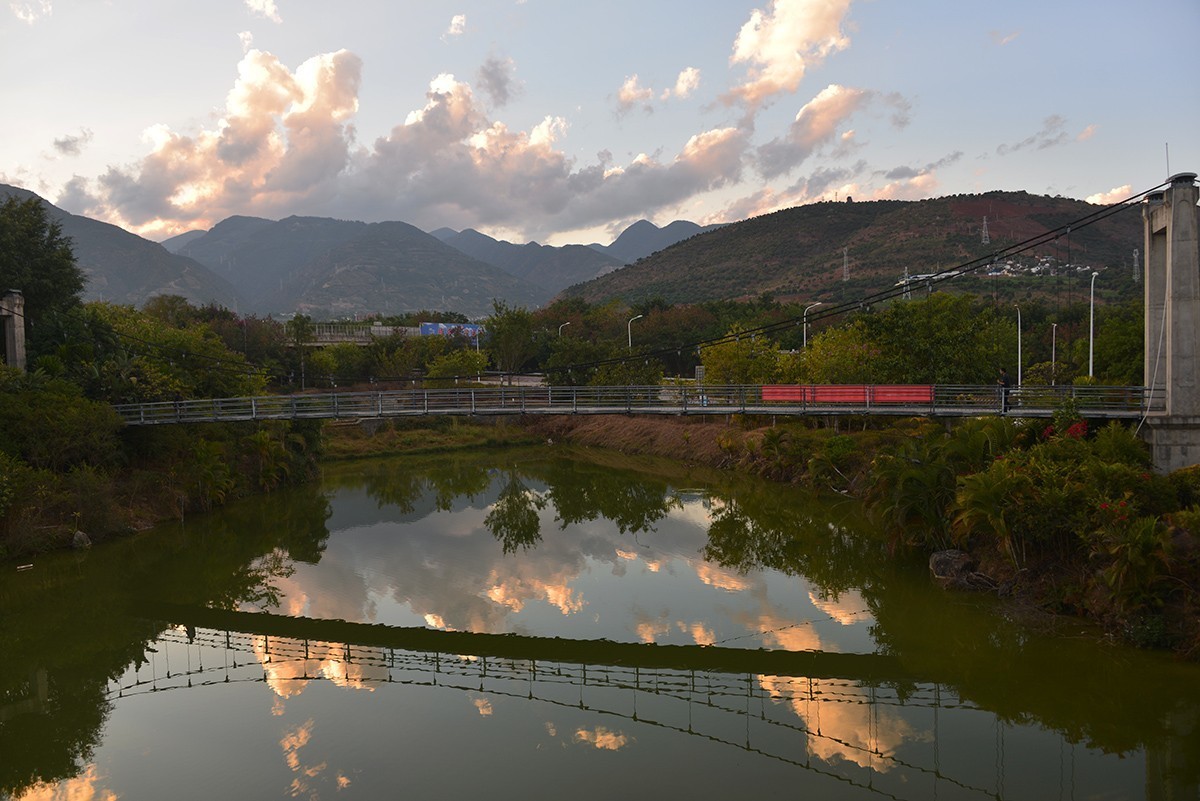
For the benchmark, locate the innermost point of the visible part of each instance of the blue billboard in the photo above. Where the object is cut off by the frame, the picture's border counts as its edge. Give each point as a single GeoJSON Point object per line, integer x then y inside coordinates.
{"type": "Point", "coordinates": [468, 330]}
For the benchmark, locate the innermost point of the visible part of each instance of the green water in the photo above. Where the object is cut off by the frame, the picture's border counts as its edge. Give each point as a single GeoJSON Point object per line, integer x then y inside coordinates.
{"type": "Point", "coordinates": [546, 623]}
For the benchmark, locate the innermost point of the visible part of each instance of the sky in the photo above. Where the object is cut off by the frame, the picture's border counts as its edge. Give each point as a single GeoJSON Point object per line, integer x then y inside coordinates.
{"type": "Point", "coordinates": [564, 122]}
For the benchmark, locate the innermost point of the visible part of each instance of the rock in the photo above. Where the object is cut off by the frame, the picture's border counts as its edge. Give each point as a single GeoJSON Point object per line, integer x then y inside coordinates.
{"type": "Point", "coordinates": [955, 570]}
{"type": "Point", "coordinates": [950, 563]}
{"type": "Point", "coordinates": [80, 541]}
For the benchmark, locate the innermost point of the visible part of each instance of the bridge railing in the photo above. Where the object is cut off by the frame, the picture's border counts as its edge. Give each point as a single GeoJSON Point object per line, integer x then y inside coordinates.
{"type": "Point", "coordinates": [785, 399]}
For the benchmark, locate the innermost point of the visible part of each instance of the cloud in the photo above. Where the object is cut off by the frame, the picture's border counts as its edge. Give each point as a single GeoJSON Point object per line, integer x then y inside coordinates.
{"type": "Point", "coordinates": [631, 94]}
{"type": "Point", "coordinates": [495, 78]}
{"type": "Point", "coordinates": [247, 40]}
{"type": "Point", "coordinates": [283, 140]}
{"type": "Point", "coordinates": [1052, 134]}
{"type": "Point", "coordinates": [264, 8]}
{"type": "Point", "coordinates": [1114, 195]}
{"type": "Point", "coordinates": [1000, 38]}
{"type": "Point", "coordinates": [687, 82]}
{"type": "Point", "coordinates": [458, 24]}
{"type": "Point", "coordinates": [815, 124]}
{"type": "Point", "coordinates": [285, 143]}
{"type": "Point", "coordinates": [1087, 133]}
{"type": "Point", "coordinates": [73, 145]}
{"type": "Point", "coordinates": [779, 44]}
{"type": "Point", "coordinates": [30, 13]}
{"type": "Point", "coordinates": [912, 183]}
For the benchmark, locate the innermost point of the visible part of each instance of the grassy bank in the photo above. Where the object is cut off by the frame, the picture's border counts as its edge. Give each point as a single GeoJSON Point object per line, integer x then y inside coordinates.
{"type": "Point", "coordinates": [420, 436]}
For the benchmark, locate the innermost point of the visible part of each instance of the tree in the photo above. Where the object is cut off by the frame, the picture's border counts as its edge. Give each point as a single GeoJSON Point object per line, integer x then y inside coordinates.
{"type": "Point", "coordinates": [843, 355]}
{"type": "Point", "coordinates": [742, 359]}
{"type": "Point", "coordinates": [37, 259]}
{"type": "Point", "coordinates": [510, 336]}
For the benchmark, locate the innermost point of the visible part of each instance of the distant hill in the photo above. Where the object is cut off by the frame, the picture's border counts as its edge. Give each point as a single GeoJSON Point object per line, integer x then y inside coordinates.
{"type": "Point", "coordinates": [392, 268]}
{"type": "Point", "coordinates": [176, 243]}
{"type": "Point", "coordinates": [335, 268]}
{"type": "Point", "coordinates": [797, 253]}
{"type": "Point", "coordinates": [124, 268]}
{"type": "Point", "coordinates": [644, 238]}
{"type": "Point", "coordinates": [552, 268]}
{"type": "Point", "coordinates": [262, 258]}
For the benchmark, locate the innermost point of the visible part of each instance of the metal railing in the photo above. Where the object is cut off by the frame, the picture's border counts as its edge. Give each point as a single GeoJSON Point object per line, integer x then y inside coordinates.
{"type": "Point", "coordinates": [944, 401]}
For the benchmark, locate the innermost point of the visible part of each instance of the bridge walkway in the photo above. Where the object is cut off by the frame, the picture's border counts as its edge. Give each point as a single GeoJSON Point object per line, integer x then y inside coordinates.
{"type": "Point", "coordinates": [1097, 402]}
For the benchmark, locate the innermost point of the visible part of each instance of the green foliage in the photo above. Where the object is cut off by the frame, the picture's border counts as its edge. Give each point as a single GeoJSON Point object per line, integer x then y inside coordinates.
{"type": "Point", "coordinates": [645, 372]}
{"type": "Point", "coordinates": [510, 336]}
{"type": "Point", "coordinates": [942, 339]}
{"type": "Point", "coordinates": [269, 457]}
{"type": "Point", "coordinates": [49, 424]}
{"type": "Point", "coordinates": [984, 503]}
{"type": "Point", "coordinates": [208, 472]}
{"type": "Point", "coordinates": [1117, 443]}
{"type": "Point", "coordinates": [844, 355]}
{"type": "Point", "coordinates": [1118, 349]}
{"type": "Point", "coordinates": [121, 355]}
{"type": "Point", "coordinates": [744, 359]}
{"type": "Point", "coordinates": [448, 369]}
{"type": "Point", "coordinates": [913, 489]}
{"type": "Point", "coordinates": [37, 259]}
{"type": "Point", "coordinates": [1138, 555]}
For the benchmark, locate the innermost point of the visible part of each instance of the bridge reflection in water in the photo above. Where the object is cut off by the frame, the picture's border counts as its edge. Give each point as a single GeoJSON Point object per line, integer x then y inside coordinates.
{"type": "Point", "coordinates": [884, 740]}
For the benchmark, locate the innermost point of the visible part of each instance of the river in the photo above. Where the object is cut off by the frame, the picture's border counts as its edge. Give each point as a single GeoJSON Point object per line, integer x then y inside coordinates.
{"type": "Point", "coordinates": [547, 623]}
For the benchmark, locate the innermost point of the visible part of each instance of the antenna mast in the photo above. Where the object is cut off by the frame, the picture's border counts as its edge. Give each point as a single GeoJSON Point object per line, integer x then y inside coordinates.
{"type": "Point", "coordinates": [845, 264]}
{"type": "Point", "coordinates": [984, 238]}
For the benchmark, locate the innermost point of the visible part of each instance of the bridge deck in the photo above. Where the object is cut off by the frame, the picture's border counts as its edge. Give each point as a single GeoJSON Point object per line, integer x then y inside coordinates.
{"type": "Point", "coordinates": [785, 400]}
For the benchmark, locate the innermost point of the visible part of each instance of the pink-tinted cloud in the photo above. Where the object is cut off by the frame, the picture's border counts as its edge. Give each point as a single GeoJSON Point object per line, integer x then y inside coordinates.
{"type": "Point", "coordinates": [265, 9]}
{"type": "Point", "coordinates": [1114, 195]}
{"type": "Point", "coordinates": [687, 82]}
{"type": "Point", "coordinates": [815, 124]}
{"type": "Point", "coordinates": [285, 143]}
{"type": "Point", "coordinates": [283, 139]}
{"type": "Point", "coordinates": [780, 44]}
{"type": "Point", "coordinates": [631, 94]}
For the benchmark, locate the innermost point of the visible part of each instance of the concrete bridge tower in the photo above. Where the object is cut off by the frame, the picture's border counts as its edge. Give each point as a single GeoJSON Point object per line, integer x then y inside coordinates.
{"type": "Point", "coordinates": [1172, 291]}
{"type": "Point", "coordinates": [12, 318]}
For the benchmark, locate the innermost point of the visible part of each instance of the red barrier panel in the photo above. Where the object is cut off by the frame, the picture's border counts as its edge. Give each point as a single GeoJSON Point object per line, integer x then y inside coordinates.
{"type": "Point", "coordinates": [903, 393]}
{"type": "Point", "coordinates": [861, 394]}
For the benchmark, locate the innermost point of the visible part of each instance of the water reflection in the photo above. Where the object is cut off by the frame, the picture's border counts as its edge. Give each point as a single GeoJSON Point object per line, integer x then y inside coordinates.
{"type": "Point", "coordinates": [556, 617]}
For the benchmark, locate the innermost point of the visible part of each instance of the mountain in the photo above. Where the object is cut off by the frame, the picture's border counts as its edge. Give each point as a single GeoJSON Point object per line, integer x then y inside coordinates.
{"type": "Point", "coordinates": [552, 268]}
{"type": "Point", "coordinates": [124, 268]}
{"type": "Point", "coordinates": [262, 257]}
{"type": "Point", "coordinates": [393, 267]}
{"type": "Point", "coordinates": [644, 238]}
{"type": "Point", "coordinates": [176, 243]}
{"type": "Point", "coordinates": [797, 253]}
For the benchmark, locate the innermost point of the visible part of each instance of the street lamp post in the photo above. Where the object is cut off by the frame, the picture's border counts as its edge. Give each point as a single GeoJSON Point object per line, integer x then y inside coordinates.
{"type": "Point", "coordinates": [1018, 308]}
{"type": "Point", "coordinates": [629, 329]}
{"type": "Point", "coordinates": [561, 327]}
{"type": "Point", "coordinates": [1092, 323]}
{"type": "Point", "coordinates": [1053, 354]}
{"type": "Point", "coordinates": [813, 306]}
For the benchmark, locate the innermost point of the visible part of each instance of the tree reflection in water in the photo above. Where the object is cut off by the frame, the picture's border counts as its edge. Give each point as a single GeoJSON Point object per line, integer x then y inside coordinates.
{"type": "Point", "coordinates": [514, 520]}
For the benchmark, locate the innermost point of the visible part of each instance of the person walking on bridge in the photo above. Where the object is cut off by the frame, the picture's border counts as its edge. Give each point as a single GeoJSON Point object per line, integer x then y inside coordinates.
{"type": "Point", "coordinates": [1005, 383]}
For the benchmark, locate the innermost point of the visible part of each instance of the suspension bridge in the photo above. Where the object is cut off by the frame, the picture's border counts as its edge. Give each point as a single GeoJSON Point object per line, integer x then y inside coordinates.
{"type": "Point", "coordinates": [907, 400]}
